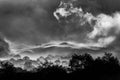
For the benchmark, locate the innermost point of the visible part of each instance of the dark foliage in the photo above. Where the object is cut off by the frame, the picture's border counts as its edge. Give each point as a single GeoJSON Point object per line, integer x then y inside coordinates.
{"type": "Point", "coordinates": [81, 67]}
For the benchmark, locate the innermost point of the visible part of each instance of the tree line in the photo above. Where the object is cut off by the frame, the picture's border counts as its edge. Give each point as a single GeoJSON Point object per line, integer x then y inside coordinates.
{"type": "Point", "coordinates": [81, 67]}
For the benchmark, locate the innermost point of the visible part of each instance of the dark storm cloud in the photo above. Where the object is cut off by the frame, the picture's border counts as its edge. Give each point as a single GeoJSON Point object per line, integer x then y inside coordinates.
{"type": "Point", "coordinates": [109, 6]}
{"type": "Point", "coordinates": [98, 6]}
{"type": "Point", "coordinates": [28, 21]}
{"type": "Point", "coordinates": [34, 21]}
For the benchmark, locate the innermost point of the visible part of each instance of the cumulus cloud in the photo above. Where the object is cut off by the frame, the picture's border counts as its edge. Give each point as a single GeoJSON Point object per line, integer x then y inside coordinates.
{"type": "Point", "coordinates": [106, 27]}
{"type": "Point", "coordinates": [101, 28]}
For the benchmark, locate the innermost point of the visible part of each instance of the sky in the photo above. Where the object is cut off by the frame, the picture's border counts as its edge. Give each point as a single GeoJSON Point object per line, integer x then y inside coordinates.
{"type": "Point", "coordinates": [41, 26]}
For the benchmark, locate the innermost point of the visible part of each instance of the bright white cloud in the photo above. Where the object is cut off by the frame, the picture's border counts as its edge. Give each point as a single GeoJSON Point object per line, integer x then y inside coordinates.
{"type": "Point", "coordinates": [101, 29]}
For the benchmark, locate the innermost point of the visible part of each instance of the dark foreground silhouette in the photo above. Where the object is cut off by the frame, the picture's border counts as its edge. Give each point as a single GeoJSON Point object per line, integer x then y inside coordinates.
{"type": "Point", "coordinates": [81, 67]}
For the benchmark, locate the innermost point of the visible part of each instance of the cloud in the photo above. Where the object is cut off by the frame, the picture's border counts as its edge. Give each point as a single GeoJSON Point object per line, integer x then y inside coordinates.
{"type": "Point", "coordinates": [102, 26]}
{"type": "Point", "coordinates": [109, 6]}
{"type": "Point", "coordinates": [44, 26]}
{"type": "Point", "coordinates": [29, 21]}
{"type": "Point", "coordinates": [4, 47]}
{"type": "Point", "coordinates": [106, 27]}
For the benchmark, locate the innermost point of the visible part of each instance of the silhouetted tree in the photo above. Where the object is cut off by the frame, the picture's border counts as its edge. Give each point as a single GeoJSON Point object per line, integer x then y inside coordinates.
{"type": "Point", "coordinates": [107, 64]}
{"type": "Point", "coordinates": [54, 72]}
{"type": "Point", "coordinates": [7, 67]}
{"type": "Point", "coordinates": [82, 67]}
{"type": "Point", "coordinates": [81, 61]}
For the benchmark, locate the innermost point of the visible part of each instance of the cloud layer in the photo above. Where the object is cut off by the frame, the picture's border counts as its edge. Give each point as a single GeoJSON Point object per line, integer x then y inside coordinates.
{"type": "Point", "coordinates": [73, 24]}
